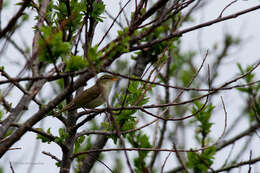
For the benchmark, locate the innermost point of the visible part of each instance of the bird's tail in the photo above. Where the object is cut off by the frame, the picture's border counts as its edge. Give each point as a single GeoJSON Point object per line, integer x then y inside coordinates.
{"type": "Point", "coordinates": [65, 108]}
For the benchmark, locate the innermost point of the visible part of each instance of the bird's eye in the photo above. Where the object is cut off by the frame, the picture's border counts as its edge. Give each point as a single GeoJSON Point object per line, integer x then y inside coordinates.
{"type": "Point", "coordinates": [106, 77]}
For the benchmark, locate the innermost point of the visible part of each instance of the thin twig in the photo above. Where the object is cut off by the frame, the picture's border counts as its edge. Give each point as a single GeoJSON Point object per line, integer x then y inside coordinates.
{"type": "Point", "coordinates": [11, 167]}
{"type": "Point", "coordinates": [103, 163]}
{"type": "Point", "coordinates": [238, 165]}
{"type": "Point", "coordinates": [249, 165]}
{"type": "Point", "coordinates": [104, 36]}
{"type": "Point", "coordinates": [14, 19]}
{"type": "Point", "coordinates": [227, 7]}
{"type": "Point", "coordinates": [202, 25]}
{"type": "Point", "coordinates": [88, 132]}
{"type": "Point", "coordinates": [52, 156]}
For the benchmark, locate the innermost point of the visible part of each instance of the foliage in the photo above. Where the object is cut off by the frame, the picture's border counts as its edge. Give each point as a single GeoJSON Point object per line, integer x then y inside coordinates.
{"type": "Point", "coordinates": [63, 135]}
{"type": "Point", "coordinates": [203, 118]}
{"type": "Point", "coordinates": [43, 138]}
{"type": "Point", "coordinates": [52, 46]}
{"type": "Point", "coordinates": [94, 56]}
{"type": "Point", "coordinates": [252, 92]}
{"type": "Point", "coordinates": [97, 9]}
{"type": "Point", "coordinates": [126, 118]}
{"type": "Point", "coordinates": [76, 63]}
{"type": "Point", "coordinates": [201, 162]}
{"type": "Point", "coordinates": [78, 142]}
{"type": "Point", "coordinates": [139, 140]}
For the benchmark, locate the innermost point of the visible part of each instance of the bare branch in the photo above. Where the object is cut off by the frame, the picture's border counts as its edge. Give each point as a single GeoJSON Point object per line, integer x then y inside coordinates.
{"type": "Point", "coordinates": [14, 19]}
{"type": "Point", "coordinates": [180, 33]}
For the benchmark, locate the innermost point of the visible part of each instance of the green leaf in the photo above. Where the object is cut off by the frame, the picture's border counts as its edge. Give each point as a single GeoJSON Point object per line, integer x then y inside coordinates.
{"type": "Point", "coordinates": [51, 45]}
{"type": "Point", "coordinates": [60, 83]}
{"type": "Point", "coordinates": [58, 164]}
{"type": "Point", "coordinates": [199, 162]}
{"type": "Point", "coordinates": [186, 77]}
{"type": "Point", "coordinates": [94, 55]}
{"type": "Point", "coordinates": [43, 138]}
{"type": "Point", "coordinates": [240, 68]}
{"type": "Point", "coordinates": [203, 117]}
{"type": "Point", "coordinates": [248, 77]}
{"type": "Point", "coordinates": [76, 63]}
{"type": "Point", "coordinates": [246, 90]}
{"type": "Point", "coordinates": [2, 68]}
{"type": "Point", "coordinates": [62, 136]}
{"type": "Point", "coordinates": [139, 140]}
{"type": "Point", "coordinates": [79, 141]}
{"type": "Point", "coordinates": [133, 87]}
{"type": "Point", "coordinates": [97, 9]}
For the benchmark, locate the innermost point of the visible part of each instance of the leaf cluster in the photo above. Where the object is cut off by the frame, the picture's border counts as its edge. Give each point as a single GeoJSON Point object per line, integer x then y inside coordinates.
{"type": "Point", "coordinates": [139, 140]}
{"type": "Point", "coordinates": [253, 108]}
{"type": "Point", "coordinates": [201, 162]}
{"type": "Point", "coordinates": [51, 45]}
{"type": "Point", "coordinates": [119, 47]}
{"type": "Point", "coordinates": [43, 138]}
{"type": "Point", "coordinates": [76, 63]}
{"type": "Point", "coordinates": [97, 9]}
{"type": "Point", "coordinates": [203, 118]}
{"type": "Point", "coordinates": [63, 135]}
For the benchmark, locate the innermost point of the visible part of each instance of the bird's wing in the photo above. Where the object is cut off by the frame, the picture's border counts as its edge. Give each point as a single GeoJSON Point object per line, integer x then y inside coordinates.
{"type": "Point", "coordinates": [87, 96]}
{"type": "Point", "coordinates": [81, 100]}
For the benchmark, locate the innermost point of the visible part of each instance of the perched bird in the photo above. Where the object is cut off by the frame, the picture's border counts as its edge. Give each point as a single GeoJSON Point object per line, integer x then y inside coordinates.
{"type": "Point", "coordinates": [92, 97]}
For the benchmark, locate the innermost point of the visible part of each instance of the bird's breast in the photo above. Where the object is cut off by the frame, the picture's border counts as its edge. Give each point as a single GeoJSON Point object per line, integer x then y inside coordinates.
{"type": "Point", "coordinates": [96, 102]}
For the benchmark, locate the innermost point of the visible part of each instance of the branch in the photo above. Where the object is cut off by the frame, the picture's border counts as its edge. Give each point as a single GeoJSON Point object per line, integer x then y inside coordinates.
{"type": "Point", "coordinates": [52, 156]}
{"type": "Point", "coordinates": [180, 33]}
{"type": "Point", "coordinates": [99, 132]}
{"type": "Point", "coordinates": [5, 144]}
{"type": "Point", "coordinates": [239, 136]}
{"type": "Point", "coordinates": [14, 19]}
{"type": "Point", "coordinates": [238, 165]}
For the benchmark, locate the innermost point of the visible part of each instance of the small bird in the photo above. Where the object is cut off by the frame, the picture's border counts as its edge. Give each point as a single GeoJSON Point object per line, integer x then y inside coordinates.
{"type": "Point", "coordinates": [92, 97]}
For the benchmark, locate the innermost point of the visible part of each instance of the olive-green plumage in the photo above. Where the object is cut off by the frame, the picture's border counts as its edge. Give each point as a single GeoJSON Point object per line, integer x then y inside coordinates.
{"type": "Point", "coordinates": [92, 97]}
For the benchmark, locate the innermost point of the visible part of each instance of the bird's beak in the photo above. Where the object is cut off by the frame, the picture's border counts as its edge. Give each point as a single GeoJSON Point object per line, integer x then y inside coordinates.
{"type": "Point", "coordinates": [115, 78]}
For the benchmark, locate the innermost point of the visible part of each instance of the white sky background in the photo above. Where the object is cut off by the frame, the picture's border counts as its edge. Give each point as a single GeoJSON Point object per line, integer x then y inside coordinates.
{"type": "Point", "coordinates": [246, 27]}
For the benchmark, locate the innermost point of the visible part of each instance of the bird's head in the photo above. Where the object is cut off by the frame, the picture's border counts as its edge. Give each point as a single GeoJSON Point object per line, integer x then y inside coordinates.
{"type": "Point", "coordinates": [107, 80]}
